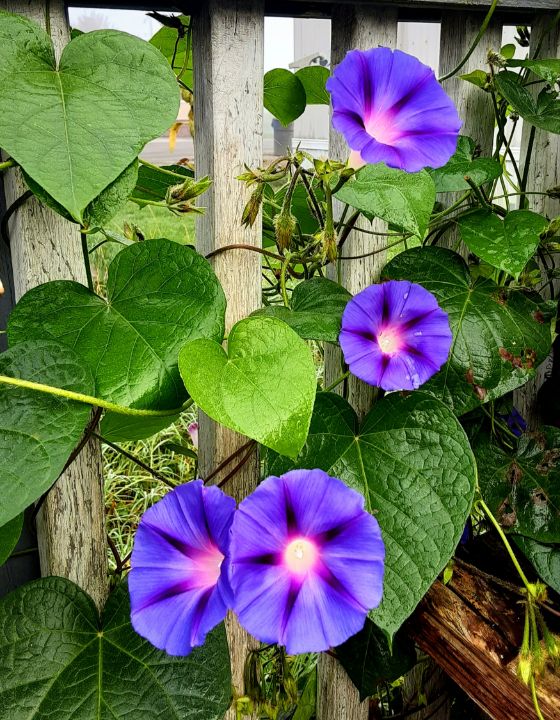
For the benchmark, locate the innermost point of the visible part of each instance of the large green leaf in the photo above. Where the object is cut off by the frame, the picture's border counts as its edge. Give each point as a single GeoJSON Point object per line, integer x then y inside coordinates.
{"type": "Point", "coordinates": [104, 207]}
{"type": "Point", "coordinates": [545, 559]}
{"type": "Point", "coordinates": [543, 112]}
{"type": "Point", "coordinates": [159, 296]}
{"type": "Point", "coordinates": [412, 462]}
{"type": "Point", "coordinates": [9, 536]}
{"type": "Point", "coordinates": [403, 199]}
{"type": "Point", "coordinates": [75, 128]}
{"type": "Point", "coordinates": [314, 79]}
{"type": "Point", "coordinates": [523, 490]}
{"type": "Point", "coordinates": [546, 68]}
{"type": "Point", "coordinates": [507, 244]}
{"type": "Point", "coordinates": [117, 427]}
{"type": "Point", "coordinates": [370, 661]}
{"type": "Point", "coordinates": [38, 431]}
{"type": "Point", "coordinates": [451, 177]}
{"type": "Point", "coordinates": [263, 387]}
{"type": "Point", "coordinates": [60, 660]}
{"type": "Point", "coordinates": [284, 95]}
{"type": "Point", "coordinates": [499, 336]}
{"type": "Point", "coordinates": [317, 307]}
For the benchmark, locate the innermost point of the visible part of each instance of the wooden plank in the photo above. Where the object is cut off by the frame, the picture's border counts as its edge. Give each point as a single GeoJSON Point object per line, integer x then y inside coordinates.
{"type": "Point", "coordinates": [543, 174]}
{"type": "Point", "coordinates": [458, 31]}
{"type": "Point", "coordinates": [228, 82]}
{"type": "Point", "coordinates": [356, 27]}
{"type": "Point", "coordinates": [70, 525]}
{"type": "Point", "coordinates": [472, 628]}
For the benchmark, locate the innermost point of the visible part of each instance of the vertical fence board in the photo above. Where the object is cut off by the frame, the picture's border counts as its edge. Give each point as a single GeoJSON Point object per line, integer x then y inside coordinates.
{"type": "Point", "coordinates": [458, 30]}
{"type": "Point", "coordinates": [352, 27]}
{"type": "Point", "coordinates": [543, 174]}
{"type": "Point", "coordinates": [44, 246]}
{"type": "Point", "coordinates": [228, 60]}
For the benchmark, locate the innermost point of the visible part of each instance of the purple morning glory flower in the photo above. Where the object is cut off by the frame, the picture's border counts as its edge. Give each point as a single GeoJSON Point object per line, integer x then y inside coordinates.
{"type": "Point", "coordinates": [515, 422]}
{"type": "Point", "coordinates": [179, 588]}
{"type": "Point", "coordinates": [390, 108]}
{"type": "Point", "coordinates": [306, 561]}
{"type": "Point", "coordinates": [395, 335]}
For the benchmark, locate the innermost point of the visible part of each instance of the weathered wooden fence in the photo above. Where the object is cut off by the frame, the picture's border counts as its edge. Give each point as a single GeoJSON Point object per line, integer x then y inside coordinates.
{"type": "Point", "coordinates": [228, 87]}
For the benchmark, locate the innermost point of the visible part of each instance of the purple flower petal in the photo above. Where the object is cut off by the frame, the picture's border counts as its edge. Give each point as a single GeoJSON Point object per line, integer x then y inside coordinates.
{"type": "Point", "coordinates": [395, 335]}
{"type": "Point", "coordinates": [306, 561]}
{"type": "Point", "coordinates": [390, 108]}
{"type": "Point", "coordinates": [179, 586]}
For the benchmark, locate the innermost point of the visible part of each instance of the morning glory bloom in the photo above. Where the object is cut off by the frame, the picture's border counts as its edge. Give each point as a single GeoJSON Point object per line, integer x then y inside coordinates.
{"type": "Point", "coordinates": [390, 108]}
{"type": "Point", "coordinates": [179, 588]}
{"type": "Point", "coordinates": [306, 561]}
{"type": "Point", "coordinates": [395, 335]}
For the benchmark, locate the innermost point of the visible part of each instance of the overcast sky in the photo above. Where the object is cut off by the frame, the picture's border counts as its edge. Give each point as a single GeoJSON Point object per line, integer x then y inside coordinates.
{"type": "Point", "coordinates": [278, 32]}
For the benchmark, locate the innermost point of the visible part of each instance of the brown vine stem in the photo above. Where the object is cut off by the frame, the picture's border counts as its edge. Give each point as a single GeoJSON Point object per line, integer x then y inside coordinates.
{"type": "Point", "coordinates": [228, 460]}
{"type": "Point", "coordinates": [373, 252]}
{"type": "Point", "coordinates": [239, 465]}
{"type": "Point", "coordinates": [135, 460]}
{"type": "Point", "coordinates": [244, 246]}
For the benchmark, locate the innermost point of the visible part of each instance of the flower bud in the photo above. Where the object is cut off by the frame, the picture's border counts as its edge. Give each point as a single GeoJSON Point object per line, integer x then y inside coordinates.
{"type": "Point", "coordinates": [525, 669]}
{"type": "Point", "coordinates": [187, 190]}
{"type": "Point", "coordinates": [252, 208]}
{"type": "Point", "coordinates": [284, 227]}
{"type": "Point", "coordinates": [329, 249]}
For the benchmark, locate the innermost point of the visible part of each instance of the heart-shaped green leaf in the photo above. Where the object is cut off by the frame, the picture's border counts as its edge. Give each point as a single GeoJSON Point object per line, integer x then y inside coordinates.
{"type": "Point", "coordinates": [159, 296]}
{"type": "Point", "coordinates": [314, 79]}
{"type": "Point", "coordinates": [263, 387]}
{"type": "Point", "coordinates": [546, 68]}
{"type": "Point", "coordinates": [75, 128]}
{"type": "Point", "coordinates": [523, 489]}
{"type": "Point", "coordinates": [499, 336]}
{"type": "Point", "coordinates": [70, 664]}
{"type": "Point", "coordinates": [413, 463]}
{"type": "Point", "coordinates": [506, 244]}
{"type": "Point", "coordinates": [316, 312]}
{"type": "Point", "coordinates": [545, 559]}
{"type": "Point", "coordinates": [106, 204]}
{"type": "Point", "coordinates": [38, 431]}
{"type": "Point", "coordinates": [543, 112]}
{"type": "Point", "coordinates": [9, 536]}
{"type": "Point", "coordinates": [284, 95]}
{"type": "Point", "coordinates": [154, 182]}
{"type": "Point", "coordinates": [174, 46]}
{"type": "Point", "coordinates": [451, 177]}
{"type": "Point", "coordinates": [403, 199]}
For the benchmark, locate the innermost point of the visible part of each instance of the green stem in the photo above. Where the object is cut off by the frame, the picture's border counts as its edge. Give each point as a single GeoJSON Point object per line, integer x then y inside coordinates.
{"type": "Point", "coordinates": [283, 280]}
{"type": "Point", "coordinates": [477, 39]}
{"type": "Point", "coordinates": [507, 545]}
{"type": "Point", "coordinates": [7, 164]}
{"type": "Point", "coordinates": [160, 169]}
{"type": "Point", "coordinates": [89, 399]}
{"type": "Point", "coordinates": [337, 382]}
{"type": "Point", "coordinates": [85, 253]}
{"type": "Point", "coordinates": [535, 698]}
{"type": "Point", "coordinates": [447, 211]}
{"type": "Point", "coordinates": [143, 202]}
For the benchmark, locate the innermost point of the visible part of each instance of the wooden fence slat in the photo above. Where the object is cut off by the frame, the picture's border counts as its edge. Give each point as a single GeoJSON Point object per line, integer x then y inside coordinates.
{"type": "Point", "coordinates": [458, 31]}
{"type": "Point", "coordinates": [45, 246]}
{"type": "Point", "coordinates": [228, 61]}
{"type": "Point", "coordinates": [543, 174]}
{"type": "Point", "coordinates": [357, 27]}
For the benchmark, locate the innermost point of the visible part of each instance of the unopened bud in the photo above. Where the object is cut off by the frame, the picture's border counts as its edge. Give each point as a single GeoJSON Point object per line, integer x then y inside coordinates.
{"type": "Point", "coordinates": [187, 190]}
{"type": "Point", "coordinates": [495, 58]}
{"type": "Point", "coordinates": [132, 232]}
{"type": "Point", "coordinates": [251, 210]}
{"type": "Point", "coordinates": [329, 249]}
{"type": "Point", "coordinates": [525, 669]}
{"type": "Point", "coordinates": [284, 227]}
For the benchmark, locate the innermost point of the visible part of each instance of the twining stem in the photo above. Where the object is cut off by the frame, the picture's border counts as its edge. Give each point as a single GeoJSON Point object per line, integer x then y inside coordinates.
{"type": "Point", "coordinates": [135, 460]}
{"type": "Point", "coordinates": [527, 164]}
{"type": "Point", "coordinates": [244, 246]}
{"type": "Point", "coordinates": [337, 382]}
{"type": "Point", "coordinates": [474, 45]}
{"type": "Point", "coordinates": [85, 253]}
{"type": "Point", "coordinates": [283, 280]}
{"type": "Point", "coordinates": [529, 587]}
{"type": "Point", "coordinates": [7, 164]}
{"type": "Point", "coordinates": [89, 399]}
{"type": "Point", "coordinates": [160, 169]}
{"type": "Point", "coordinates": [535, 698]}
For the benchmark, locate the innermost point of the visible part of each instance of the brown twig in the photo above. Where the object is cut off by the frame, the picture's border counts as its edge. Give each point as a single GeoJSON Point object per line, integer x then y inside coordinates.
{"type": "Point", "coordinates": [136, 460]}
{"type": "Point", "coordinates": [244, 246]}
{"type": "Point", "coordinates": [228, 460]}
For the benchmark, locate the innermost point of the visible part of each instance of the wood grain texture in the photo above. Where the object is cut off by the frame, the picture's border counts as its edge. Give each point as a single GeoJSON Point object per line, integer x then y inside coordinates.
{"type": "Point", "coordinates": [356, 27]}
{"type": "Point", "coordinates": [228, 60]}
{"type": "Point", "coordinates": [458, 31]}
{"type": "Point", "coordinates": [543, 174]}
{"type": "Point", "coordinates": [44, 246]}
{"type": "Point", "coordinates": [472, 628]}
